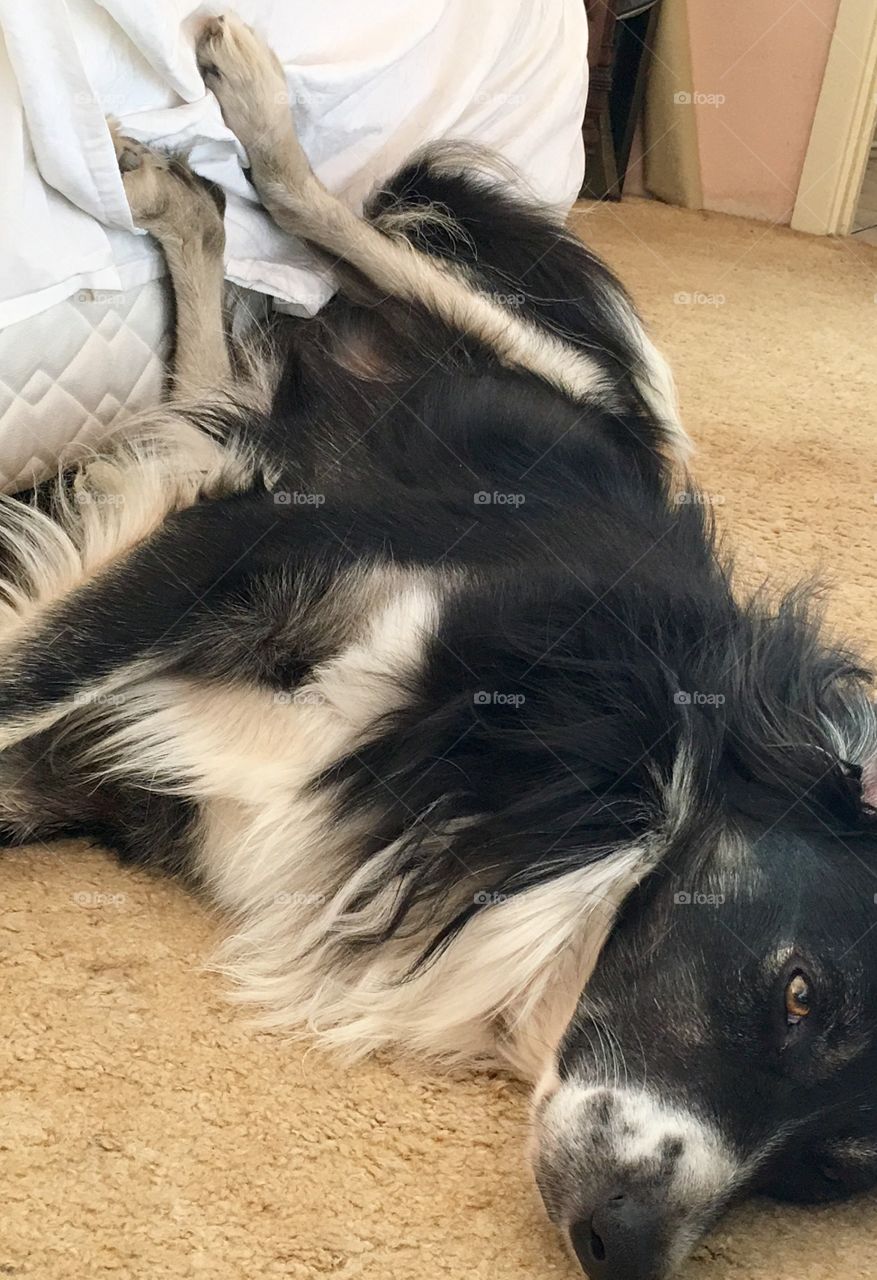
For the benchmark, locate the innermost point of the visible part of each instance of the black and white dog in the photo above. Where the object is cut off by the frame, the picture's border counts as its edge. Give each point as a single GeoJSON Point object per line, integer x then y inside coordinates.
{"type": "Point", "coordinates": [411, 646]}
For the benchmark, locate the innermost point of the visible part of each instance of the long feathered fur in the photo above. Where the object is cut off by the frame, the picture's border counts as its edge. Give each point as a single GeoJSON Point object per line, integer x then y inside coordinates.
{"type": "Point", "coordinates": [420, 671]}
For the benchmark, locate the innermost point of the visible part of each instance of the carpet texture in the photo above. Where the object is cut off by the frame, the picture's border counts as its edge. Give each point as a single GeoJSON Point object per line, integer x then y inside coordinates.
{"type": "Point", "coordinates": [147, 1131]}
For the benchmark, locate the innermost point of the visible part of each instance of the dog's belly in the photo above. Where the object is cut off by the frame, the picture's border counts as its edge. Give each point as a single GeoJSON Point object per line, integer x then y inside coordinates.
{"type": "Point", "coordinates": [249, 757]}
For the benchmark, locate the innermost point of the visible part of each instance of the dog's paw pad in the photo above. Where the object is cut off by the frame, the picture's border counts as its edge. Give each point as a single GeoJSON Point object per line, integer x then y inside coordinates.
{"type": "Point", "coordinates": [133, 156]}
{"type": "Point", "coordinates": [129, 159]}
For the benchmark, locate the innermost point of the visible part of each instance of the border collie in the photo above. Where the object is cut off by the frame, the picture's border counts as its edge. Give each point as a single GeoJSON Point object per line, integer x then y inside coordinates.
{"type": "Point", "coordinates": [408, 641]}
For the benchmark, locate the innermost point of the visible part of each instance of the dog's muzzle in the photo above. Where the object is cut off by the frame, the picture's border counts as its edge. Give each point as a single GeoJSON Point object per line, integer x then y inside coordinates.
{"type": "Point", "coordinates": [620, 1240]}
{"type": "Point", "coordinates": [629, 1178]}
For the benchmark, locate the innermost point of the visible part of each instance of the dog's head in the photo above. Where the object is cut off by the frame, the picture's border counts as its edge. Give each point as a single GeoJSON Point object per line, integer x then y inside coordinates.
{"type": "Point", "coordinates": [726, 1043]}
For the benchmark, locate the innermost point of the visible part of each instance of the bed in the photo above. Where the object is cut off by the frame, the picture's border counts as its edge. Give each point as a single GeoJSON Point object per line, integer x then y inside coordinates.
{"type": "Point", "coordinates": [84, 308]}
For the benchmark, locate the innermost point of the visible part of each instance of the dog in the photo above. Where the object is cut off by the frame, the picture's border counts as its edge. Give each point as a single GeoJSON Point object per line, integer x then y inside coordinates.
{"type": "Point", "coordinates": [406, 638]}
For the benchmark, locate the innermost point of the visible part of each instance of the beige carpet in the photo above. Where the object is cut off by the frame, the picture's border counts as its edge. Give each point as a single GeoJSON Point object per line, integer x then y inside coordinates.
{"type": "Point", "coordinates": [147, 1132]}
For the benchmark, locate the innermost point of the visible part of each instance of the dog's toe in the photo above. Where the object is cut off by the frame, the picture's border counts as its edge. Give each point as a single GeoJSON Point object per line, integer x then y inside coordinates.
{"type": "Point", "coordinates": [129, 159]}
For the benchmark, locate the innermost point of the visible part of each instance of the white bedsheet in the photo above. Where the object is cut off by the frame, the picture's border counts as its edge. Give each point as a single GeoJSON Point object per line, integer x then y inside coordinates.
{"type": "Point", "coordinates": [371, 81]}
{"type": "Point", "coordinates": [83, 313]}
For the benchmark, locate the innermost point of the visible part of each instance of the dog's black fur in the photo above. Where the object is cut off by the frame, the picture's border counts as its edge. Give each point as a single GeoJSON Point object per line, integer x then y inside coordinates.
{"type": "Point", "coordinates": [594, 683]}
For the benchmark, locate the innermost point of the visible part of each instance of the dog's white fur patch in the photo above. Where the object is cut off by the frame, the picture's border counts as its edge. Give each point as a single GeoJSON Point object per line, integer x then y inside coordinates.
{"type": "Point", "coordinates": [570, 1147]}
{"type": "Point", "coordinates": [307, 910]}
{"type": "Point", "coordinates": [539, 948]}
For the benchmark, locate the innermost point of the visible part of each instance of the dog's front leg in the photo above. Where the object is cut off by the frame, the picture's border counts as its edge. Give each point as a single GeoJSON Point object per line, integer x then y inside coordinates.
{"type": "Point", "coordinates": [185, 216]}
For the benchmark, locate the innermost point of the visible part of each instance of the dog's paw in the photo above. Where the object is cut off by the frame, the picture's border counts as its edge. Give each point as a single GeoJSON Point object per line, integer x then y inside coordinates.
{"type": "Point", "coordinates": [145, 174]}
{"type": "Point", "coordinates": [248, 81]}
{"type": "Point", "coordinates": [165, 197]}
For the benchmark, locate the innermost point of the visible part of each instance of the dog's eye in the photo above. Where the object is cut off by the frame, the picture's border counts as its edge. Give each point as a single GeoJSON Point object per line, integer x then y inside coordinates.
{"type": "Point", "coordinates": [798, 998]}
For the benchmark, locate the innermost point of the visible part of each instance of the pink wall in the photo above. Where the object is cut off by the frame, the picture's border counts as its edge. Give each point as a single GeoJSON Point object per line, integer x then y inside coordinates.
{"type": "Point", "coordinates": [757, 68]}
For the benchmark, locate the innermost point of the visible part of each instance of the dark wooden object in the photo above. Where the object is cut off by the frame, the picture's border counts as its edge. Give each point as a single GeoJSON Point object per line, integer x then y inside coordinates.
{"type": "Point", "coordinates": [621, 36]}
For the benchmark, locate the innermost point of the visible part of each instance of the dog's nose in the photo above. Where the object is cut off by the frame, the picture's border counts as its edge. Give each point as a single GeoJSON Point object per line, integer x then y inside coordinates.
{"type": "Point", "coordinates": [620, 1240]}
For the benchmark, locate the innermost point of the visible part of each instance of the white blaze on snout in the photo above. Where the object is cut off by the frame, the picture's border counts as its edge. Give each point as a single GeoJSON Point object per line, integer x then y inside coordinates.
{"type": "Point", "coordinates": [592, 1142]}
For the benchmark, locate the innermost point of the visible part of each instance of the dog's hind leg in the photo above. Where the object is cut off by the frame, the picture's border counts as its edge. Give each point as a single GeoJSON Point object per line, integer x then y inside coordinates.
{"type": "Point", "coordinates": [130, 622]}
{"type": "Point", "coordinates": [185, 216]}
{"type": "Point", "coordinates": [250, 86]}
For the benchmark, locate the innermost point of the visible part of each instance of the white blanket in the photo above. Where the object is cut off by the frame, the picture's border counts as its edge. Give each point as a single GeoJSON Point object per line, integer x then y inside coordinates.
{"type": "Point", "coordinates": [371, 81]}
